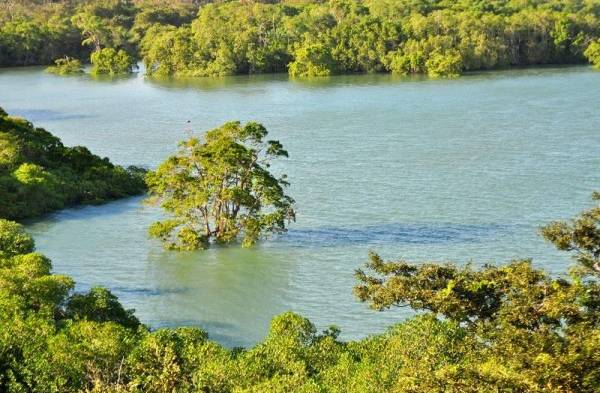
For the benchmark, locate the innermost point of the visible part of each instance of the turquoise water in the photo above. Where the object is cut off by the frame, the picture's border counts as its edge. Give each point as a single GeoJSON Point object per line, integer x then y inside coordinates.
{"type": "Point", "coordinates": [462, 170]}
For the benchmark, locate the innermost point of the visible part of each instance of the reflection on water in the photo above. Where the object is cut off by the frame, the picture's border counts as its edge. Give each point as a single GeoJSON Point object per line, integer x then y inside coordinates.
{"type": "Point", "coordinates": [449, 170]}
{"type": "Point", "coordinates": [237, 81]}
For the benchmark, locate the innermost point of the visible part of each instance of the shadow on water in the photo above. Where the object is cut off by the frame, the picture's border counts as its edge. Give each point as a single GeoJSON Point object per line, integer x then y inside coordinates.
{"type": "Point", "coordinates": [389, 234]}
{"type": "Point", "coordinates": [35, 115]}
{"type": "Point", "coordinates": [136, 292]}
{"type": "Point", "coordinates": [146, 292]}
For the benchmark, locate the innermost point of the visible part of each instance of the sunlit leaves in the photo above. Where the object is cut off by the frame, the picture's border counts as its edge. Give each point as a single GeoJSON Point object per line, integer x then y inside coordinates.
{"type": "Point", "coordinates": [111, 62]}
{"type": "Point", "coordinates": [65, 66]}
{"type": "Point", "coordinates": [581, 236]}
{"type": "Point", "coordinates": [221, 190]}
{"type": "Point", "coordinates": [592, 52]}
{"type": "Point", "coordinates": [13, 240]}
{"type": "Point", "coordinates": [39, 174]}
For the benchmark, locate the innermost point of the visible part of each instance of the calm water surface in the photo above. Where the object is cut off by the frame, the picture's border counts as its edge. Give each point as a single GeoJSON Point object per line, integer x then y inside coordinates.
{"type": "Point", "coordinates": [462, 170]}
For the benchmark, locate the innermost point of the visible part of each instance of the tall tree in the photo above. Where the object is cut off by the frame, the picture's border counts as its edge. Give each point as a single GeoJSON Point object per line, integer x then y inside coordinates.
{"type": "Point", "coordinates": [221, 189]}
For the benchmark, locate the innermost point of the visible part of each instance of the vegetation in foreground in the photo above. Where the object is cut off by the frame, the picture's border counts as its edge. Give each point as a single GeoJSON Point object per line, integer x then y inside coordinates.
{"type": "Point", "coordinates": [301, 37]}
{"type": "Point", "coordinates": [511, 328]}
{"type": "Point", "coordinates": [220, 189]}
{"type": "Point", "coordinates": [38, 174]}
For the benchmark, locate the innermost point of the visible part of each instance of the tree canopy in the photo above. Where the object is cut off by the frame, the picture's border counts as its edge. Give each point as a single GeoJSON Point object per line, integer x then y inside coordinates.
{"type": "Point", "coordinates": [314, 38]}
{"type": "Point", "coordinates": [581, 236]}
{"type": "Point", "coordinates": [532, 324]}
{"type": "Point", "coordinates": [66, 66]}
{"type": "Point", "coordinates": [439, 38]}
{"type": "Point", "coordinates": [38, 174]}
{"type": "Point", "coordinates": [111, 62]}
{"type": "Point", "coordinates": [221, 189]}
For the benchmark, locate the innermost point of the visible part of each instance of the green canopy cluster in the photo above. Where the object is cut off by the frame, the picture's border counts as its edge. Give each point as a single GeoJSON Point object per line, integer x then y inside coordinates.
{"type": "Point", "coordinates": [320, 38]}
{"type": "Point", "coordinates": [66, 66]}
{"type": "Point", "coordinates": [511, 328]}
{"type": "Point", "coordinates": [302, 37]}
{"type": "Point", "coordinates": [34, 32]}
{"type": "Point", "coordinates": [38, 174]}
{"type": "Point", "coordinates": [220, 189]}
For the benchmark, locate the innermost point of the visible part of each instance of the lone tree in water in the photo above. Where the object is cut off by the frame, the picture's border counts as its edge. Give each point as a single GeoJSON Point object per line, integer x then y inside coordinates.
{"type": "Point", "coordinates": [220, 189]}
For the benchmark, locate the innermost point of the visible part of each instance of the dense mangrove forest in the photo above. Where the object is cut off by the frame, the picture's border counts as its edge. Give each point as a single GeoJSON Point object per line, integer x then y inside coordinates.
{"type": "Point", "coordinates": [302, 38]}
{"type": "Point", "coordinates": [357, 219]}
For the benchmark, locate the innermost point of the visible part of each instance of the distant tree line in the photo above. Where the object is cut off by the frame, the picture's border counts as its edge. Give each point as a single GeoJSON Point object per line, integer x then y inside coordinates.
{"type": "Point", "coordinates": [304, 37]}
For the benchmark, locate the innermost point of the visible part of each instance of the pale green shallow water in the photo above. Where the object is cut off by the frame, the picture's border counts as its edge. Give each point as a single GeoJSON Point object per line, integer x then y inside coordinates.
{"type": "Point", "coordinates": [446, 170]}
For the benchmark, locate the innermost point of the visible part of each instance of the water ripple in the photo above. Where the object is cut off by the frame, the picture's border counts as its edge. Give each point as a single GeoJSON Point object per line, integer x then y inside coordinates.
{"type": "Point", "coordinates": [148, 291]}
{"type": "Point", "coordinates": [394, 233]}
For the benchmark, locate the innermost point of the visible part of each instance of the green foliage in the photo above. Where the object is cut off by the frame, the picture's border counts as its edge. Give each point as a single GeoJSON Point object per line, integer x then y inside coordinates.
{"type": "Point", "coordinates": [441, 39]}
{"type": "Point", "coordinates": [38, 32]}
{"type": "Point", "coordinates": [13, 240]}
{"type": "Point", "coordinates": [65, 66]}
{"type": "Point", "coordinates": [37, 39]}
{"type": "Point", "coordinates": [221, 189]}
{"type": "Point", "coordinates": [112, 62]}
{"type": "Point", "coordinates": [592, 53]}
{"type": "Point", "coordinates": [307, 37]}
{"type": "Point", "coordinates": [165, 360]}
{"type": "Point", "coordinates": [312, 60]}
{"type": "Point", "coordinates": [511, 328]}
{"type": "Point", "coordinates": [168, 50]}
{"type": "Point", "coordinates": [580, 236]}
{"type": "Point", "coordinates": [39, 174]}
{"type": "Point", "coordinates": [444, 64]}
{"type": "Point", "coordinates": [101, 306]}
{"type": "Point", "coordinates": [539, 331]}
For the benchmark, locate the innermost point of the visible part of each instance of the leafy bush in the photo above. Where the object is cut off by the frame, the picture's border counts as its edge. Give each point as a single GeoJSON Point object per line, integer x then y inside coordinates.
{"type": "Point", "coordinates": [65, 66]}
{"type": "Point", "coordinates": [111, 62]}
{"type": "Point", "coordinates": [592, 52]}
{"type": "Point", "coordinates": [312, 60]}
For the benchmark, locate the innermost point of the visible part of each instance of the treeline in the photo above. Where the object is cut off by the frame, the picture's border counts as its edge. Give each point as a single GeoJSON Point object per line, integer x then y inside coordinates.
{"type": "Point", "coordinates": [510, 329]}
{"type": "Point", "coordinates": [38, 174]}
{"type": "Point", "coordinates": [40, 32]}
{"type": "Point", "coordinates": [306, 37]}
{"type": "Point", "coordinates": [438, 38]}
